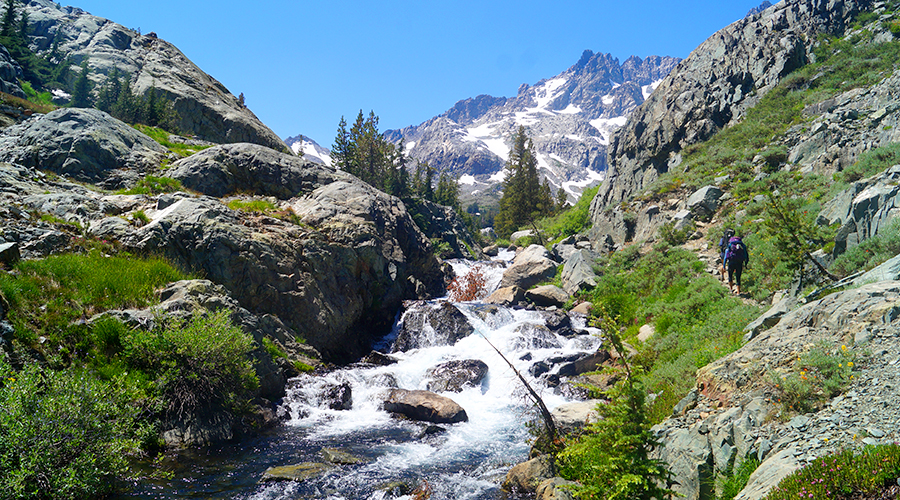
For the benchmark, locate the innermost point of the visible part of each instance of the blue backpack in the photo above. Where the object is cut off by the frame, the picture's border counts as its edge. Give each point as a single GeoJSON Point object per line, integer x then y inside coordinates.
{"type": "Point", "coordinates": [736, 251]}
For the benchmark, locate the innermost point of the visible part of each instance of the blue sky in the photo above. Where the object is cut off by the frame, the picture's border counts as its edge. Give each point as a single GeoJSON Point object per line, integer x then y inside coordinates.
{"type": "Point", "coordinates": [303, 65]}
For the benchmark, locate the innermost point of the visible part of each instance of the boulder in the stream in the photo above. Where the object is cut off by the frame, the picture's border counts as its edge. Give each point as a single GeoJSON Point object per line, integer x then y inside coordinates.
{"type": "Point", "coordinates": [297, 472]}
{"type": "Point", "coordinates": [425, 406]}
{"type": "Point", "coordinates": [506, 296]}
{"type": "Point", "coordinates": [457, 374]}
{"type": "Point", "coordinates": [340, 457]}
{"type": "Point", "coordinates": [530, 267]}
{"type": "Point", "coordinates": [547, 296]}
{"type": "Point", "coordinates": [428, 325]}
{"type": "Point", "coordinates": [338, 397]}
{"type": "Point", "coordinates": [525, 477]}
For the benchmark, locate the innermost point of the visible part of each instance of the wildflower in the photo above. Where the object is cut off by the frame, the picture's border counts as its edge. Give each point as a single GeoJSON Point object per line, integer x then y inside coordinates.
{"type": "Point", "coordinates": [850, 364]}
{"type": "Point", "coordinates": [844, 348]}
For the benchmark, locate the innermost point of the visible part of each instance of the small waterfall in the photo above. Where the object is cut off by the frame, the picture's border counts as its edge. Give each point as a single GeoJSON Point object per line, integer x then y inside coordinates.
{"type": "Point", "coordinates": [463, 461]}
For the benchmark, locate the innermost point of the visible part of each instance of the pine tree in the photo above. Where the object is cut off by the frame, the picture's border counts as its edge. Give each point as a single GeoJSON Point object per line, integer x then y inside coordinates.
{"type": "Point", "coordinates": [109, 92]}
{"type": "Point", "coordinates": [8, 27]}
{"type": "Point", "coordinates": [81, 93]}
{"type": "Point", "coordinates": [524, 198]}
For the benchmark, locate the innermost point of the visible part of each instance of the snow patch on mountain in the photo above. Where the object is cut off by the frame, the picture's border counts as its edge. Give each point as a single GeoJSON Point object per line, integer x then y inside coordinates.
{"type": "Point", "coordinates": [311, 150]}
{"type": "Point", "coordinates": [646, 90]}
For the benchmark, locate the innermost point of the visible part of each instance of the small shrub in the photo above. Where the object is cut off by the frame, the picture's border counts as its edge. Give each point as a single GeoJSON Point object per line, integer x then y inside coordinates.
{"type": "Point", "coordinates": [817, 376]}
{"type": "Point", "coordinates": [63, 434]}
{"type": "Point", "coordinates": [736, 479]}
{"type": "Point", "coordinates": [895, 28]}
{"type": "Point", "coordinates": [140, 217]}
{"type": "Point", "coordinates": [470, 286]}
{"type": "Point", "coordinates": [441, 248]}
{"type": "Point", "coordinates": [199, 362]}
{"type": "Point", "coordinates": [674, 237]}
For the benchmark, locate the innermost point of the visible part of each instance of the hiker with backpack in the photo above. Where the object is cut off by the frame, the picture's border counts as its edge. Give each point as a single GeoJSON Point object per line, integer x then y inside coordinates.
{"type": "Point", "coordinates": [723, 245]}
{"type": "Point", "coordinates": [736, 257]}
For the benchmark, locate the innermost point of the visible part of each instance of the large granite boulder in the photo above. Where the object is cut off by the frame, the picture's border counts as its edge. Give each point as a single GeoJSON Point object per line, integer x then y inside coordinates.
{"type": "Point", "coordinates": [84, 144]}
{"type": "Point", "coordinates": [547, 296]}
{"type": "Point", "coordinates": [428, 325]}
{"type": "Point", "coordinates": [524, 478]}
{"type": "Point", "coordinates": [424, 406]}
{"type": "Point", "coordinates": [705, 201]}
{"type": "Point", "coordinates": [863, 209]}
{"type": "Point", "coordinates": [530, 267]}
{"type": "Point", "coordinates": [573, 417]}
{"type": "Point", "coordinates": [251, 169]}
{"type": "Point", "coordinates": [578, 272]}
{"type": "Point", "coordinates": [205, 107]}
{"type": "Point", "coordinates": [454, 376]}
{"type": "Point", "coordinates": [506, 296]}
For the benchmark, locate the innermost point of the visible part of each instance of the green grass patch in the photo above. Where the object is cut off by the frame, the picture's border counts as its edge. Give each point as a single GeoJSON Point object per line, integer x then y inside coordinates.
{"type": "Point", "coordinates": [48, 296]}
{"type": "Point", "coordinates": [696, 319]}
{"type": "Point", "coordinates": [43, 100]}
{"type": "Point", "coordinates": [849, 474]}
{"type": "Point", "coordinates": [35, 107]}
{"type": "Point", "coordinates": [253, 206]}
{"type": "Point", "coordinates": [573, 220]}
{"type": "Point", "coordinates": [152, 185]}
{"type": "Point", "coordinates": [162, 137]}
{"type": "Point", "coordinates": [870, 163]}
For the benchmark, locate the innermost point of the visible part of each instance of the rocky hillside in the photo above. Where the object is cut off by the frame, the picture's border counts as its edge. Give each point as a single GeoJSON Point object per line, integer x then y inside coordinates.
{"type": "Point", "coordinates": [667, 171]}
{"type": "Point", "coordinates": [205, 107]}
{"type": "Point", "coordinates": [335, 271]}
{"type": "Point", "coordinates": [715, 85]}
{"type": "Point", "coordinates": [570, 117]}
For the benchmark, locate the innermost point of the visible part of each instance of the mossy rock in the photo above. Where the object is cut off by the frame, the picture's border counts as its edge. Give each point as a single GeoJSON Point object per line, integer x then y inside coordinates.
{"type": "Point", "coordinates": [298, 472]}
{"type": "Point", "coordinates": [340, 457]}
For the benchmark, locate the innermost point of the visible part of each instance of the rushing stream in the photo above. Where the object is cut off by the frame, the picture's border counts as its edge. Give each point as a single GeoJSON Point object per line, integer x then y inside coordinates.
{"type": "Point", "coordinates": [466, 461]}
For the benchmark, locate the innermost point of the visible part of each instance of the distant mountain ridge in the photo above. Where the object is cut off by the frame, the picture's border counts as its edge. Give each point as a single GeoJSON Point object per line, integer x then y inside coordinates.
{"type": "Point", "coordinates": [570, 118]}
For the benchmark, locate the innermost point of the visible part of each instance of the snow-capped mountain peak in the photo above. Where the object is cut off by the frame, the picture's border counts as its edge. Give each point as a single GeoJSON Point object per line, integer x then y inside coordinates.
{"type": "Point", "coordinates": [570, 118]}
{"type": "Point", "coordinates": [311, 150]}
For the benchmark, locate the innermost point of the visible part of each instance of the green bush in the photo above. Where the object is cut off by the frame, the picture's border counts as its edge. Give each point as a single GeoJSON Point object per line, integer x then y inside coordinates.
{"type": "Point", "coordinates": [735, 479]}
{"type": "Point", "coordinates": [573, 220]}
{"type": "Point", "coordinates": [200, 362]}
{"type": "Point", "coordinates": [63, 434]}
